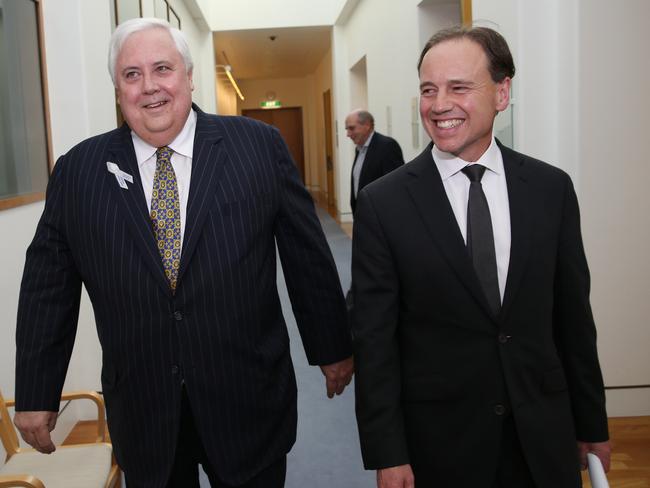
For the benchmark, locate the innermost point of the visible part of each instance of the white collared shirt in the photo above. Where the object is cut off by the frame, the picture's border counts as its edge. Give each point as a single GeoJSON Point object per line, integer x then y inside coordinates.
{"type": "Point", "coordinates": [358, 165]}
{"type": "Point", "coordinates": [456, 186]}
{"type": "Point", "coordinates": [183, 147]}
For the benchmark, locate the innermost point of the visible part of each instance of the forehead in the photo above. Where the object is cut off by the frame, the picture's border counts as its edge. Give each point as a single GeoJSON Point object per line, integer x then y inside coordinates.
{"type": "Point", "coordinates": [455, 59]}
{"type": "Point", "coordinates": [148, 46]}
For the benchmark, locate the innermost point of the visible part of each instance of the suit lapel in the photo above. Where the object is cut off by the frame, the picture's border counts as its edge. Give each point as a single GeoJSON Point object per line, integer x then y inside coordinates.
{"type": "Point", "coordinates": [133, 205]}
{"type": "Point", "coordinates": [520, 223]}
{"type": "Point", "coordinates": [430, 199]}
{"type": "Point", "coordinates": [207, 162]}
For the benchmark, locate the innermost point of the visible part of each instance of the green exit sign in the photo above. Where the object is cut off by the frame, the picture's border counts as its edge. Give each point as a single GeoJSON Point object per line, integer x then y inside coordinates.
{"type": "Point", "coordinates": [271, 104]}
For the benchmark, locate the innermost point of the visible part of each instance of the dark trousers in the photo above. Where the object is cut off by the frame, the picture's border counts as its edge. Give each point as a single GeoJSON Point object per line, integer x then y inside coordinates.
{"type": "Point", "coordinates": [190, 453]}
{"type": "Point", "coordinates": [512, 470]}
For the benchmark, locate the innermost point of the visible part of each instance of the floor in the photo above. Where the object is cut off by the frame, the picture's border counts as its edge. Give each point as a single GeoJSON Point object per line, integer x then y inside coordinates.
{"type": "Point", "coordinates": [327, 453]}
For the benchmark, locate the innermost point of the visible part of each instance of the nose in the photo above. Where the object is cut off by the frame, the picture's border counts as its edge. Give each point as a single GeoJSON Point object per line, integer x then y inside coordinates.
{"type": "Point", "coordinates": [149, 84]}
{"type": "Point", "coordinates": [441, 103]}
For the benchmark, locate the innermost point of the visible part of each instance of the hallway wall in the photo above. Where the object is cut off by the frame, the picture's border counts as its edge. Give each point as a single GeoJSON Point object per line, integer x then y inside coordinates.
{"type": "Point", "coordinates": [581, 104]}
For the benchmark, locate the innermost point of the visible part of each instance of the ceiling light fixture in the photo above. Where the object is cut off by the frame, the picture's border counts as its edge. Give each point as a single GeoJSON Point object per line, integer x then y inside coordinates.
{"type": "Point", "coordinates": [227, 68]}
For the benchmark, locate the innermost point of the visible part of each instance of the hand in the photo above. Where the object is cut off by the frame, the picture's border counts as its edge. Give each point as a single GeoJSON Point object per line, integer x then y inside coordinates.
{"type": "Point", "coordinates": [338, 376]}
{"type": "Point", "coordinates": [601, 449]}
{"type": "Point", "coordinates": [396, 477]}
{"type": "Point", "coordinates": [35, 428]}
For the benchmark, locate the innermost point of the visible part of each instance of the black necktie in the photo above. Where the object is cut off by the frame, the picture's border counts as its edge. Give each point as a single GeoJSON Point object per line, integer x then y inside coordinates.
{"type": "Point", "coordinates": [480, 238]}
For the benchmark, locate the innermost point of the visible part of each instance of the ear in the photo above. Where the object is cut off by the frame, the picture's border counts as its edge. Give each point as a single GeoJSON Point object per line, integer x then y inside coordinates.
{"type": "Point", "coordinates": [190, 76]}
{"type": "Point", "coordinates": [503, 94]}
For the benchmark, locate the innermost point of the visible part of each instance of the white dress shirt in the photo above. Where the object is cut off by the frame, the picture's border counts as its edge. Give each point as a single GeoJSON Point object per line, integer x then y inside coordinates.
{"type": "Point", "coordinates": [358, 164]}
{"type": "Point", "coordinates": [183, 147]}
{"type": "Point", "coordinates": [456, 186]}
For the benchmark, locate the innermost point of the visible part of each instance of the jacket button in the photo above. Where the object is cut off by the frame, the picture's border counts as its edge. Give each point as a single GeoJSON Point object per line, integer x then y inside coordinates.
{"type": "Point", "coordinates": [499, 409]}
{"type": "Point", "coordinates": [503, 338]}
{"type": "Point", "coordinates": [178, 315]}
{"type": "Point", "coordinates": [175, 369]}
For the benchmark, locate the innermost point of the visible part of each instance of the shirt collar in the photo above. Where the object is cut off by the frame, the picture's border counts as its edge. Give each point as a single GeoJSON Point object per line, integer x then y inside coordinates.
{"type": "Point", "coordinates": [367, 143]}
{"type": "Point", "coordinates": [448, 164]}
{"type": "Point", "coordinates": [183, 144]}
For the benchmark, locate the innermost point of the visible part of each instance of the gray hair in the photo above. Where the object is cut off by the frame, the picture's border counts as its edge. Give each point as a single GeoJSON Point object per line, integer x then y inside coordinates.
{"type": "Point", "coordinates": [125, 29]}
{"type": "Point", "coordinates": [364, 117]}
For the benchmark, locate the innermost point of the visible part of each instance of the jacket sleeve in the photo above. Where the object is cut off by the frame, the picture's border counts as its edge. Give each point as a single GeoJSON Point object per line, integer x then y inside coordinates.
{"type": "Point", "coordinates": [574, 329]}
{"type": "Point", "coordinates": [311, 276]}
{"type": "Point", "coordinates": [377, 354]}
{"type": "Point", "coordinates": [48, 306]}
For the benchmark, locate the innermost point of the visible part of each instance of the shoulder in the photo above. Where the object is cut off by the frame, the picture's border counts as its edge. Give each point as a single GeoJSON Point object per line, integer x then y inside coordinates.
{"type": "Point", "coordinates": [534, 170]}
{"type": "Point", "coordinates": [229, 123]}
{"type": "Point", "coordinates": [382, 139]}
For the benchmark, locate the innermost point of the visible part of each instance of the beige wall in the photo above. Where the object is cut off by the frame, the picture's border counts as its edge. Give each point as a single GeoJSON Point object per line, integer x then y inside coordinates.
{"type": "Point", "coordinates": [226, 97]}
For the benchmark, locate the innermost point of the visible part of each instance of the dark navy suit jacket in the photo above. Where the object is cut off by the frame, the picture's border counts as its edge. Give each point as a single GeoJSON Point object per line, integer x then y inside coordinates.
{"type": "Point", "coordinates": [222, 333]}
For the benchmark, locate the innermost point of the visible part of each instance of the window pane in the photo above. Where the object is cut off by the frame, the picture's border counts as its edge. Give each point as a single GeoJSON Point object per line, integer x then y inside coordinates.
{"type": "Point", "coordinates": [23, 141]}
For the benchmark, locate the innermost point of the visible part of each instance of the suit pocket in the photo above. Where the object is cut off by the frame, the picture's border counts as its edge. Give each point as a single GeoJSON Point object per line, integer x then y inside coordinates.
{"type": "Point", "coordinates": [554, 381]}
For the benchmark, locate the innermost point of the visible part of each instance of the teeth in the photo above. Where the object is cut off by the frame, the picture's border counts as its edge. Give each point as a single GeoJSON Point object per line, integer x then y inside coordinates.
{"type": "Point", "coordinates": [154, 105]}
{"type": "Point", "coordinates": [448, 124]}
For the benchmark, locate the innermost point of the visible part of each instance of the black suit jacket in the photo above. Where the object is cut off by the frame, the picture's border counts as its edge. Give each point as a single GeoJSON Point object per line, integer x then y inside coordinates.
{"type": "Point", "coordinates": [436, 370]}
{"type": "Point", "coordinates": [222, 333]}
{"type": "Point", "coordinates": [382, 157]}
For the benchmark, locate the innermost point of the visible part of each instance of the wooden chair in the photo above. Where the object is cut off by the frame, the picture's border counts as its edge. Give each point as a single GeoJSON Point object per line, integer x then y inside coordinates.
{"type": "Point", "coordinates": [71, 466]}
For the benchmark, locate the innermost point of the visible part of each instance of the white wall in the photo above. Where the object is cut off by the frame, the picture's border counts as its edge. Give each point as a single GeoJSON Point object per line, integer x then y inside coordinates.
{"type": "Point", "coordinates": [388, 34]}
{"type": "Point", "coordinates": [582, 104]}
{"type": "Point", "coordinates": [235, 15]}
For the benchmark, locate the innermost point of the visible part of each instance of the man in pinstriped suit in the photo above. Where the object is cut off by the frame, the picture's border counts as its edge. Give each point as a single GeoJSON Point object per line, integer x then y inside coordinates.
{"type": "Point", "coordinates": [171, 223]}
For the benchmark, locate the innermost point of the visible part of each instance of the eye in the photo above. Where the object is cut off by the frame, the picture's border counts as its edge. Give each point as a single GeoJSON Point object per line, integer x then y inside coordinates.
{"type": "Point", "coordinates": [131, 75]}
{"type": "Point", "coordinates": [427, 92]}
{"type": "Point", "coordinates": [163, 69]}
{"type": "Point", "coordinates": [460, 89]}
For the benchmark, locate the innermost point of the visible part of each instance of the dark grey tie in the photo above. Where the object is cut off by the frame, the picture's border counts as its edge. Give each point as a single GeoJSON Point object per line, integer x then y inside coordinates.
{"type": "Point", "coordinates": [480, 238]}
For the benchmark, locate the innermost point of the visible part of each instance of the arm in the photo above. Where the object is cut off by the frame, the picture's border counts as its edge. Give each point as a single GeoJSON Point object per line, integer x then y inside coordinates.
{"type": "Point", "coordinates": [47, 320]}
{"type": "Point", "coordinates": [394, 158]}
{"type": "Point", "coordinates": [575, 336]}
{"type": "Point", "coordinates": [377, 354]}
{"type": "Point", "coordinates": [311, 276]}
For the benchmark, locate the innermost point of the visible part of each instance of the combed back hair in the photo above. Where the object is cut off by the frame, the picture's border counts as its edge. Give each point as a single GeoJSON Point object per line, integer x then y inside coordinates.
{"type": "Point", "coordinates": [495, 47]}
{"type": "Point", "coordinates": [364, 117]}
{"type": "Point", "coordinates": [129, 27]}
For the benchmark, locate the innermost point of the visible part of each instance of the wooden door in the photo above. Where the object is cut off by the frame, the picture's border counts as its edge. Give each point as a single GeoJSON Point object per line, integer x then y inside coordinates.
{"type": "Point", "coordinates": [329, 149]}
{"type": "Point", "coordinates": [289, 122]}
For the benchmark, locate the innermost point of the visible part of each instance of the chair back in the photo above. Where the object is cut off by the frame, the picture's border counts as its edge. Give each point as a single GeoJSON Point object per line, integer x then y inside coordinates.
{"type": "Point", "coordinates": [7, 431]}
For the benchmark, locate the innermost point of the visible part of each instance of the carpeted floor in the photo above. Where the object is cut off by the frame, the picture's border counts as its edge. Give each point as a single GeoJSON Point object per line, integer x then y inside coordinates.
{"type": "Point", "coordinates": [326, 453]}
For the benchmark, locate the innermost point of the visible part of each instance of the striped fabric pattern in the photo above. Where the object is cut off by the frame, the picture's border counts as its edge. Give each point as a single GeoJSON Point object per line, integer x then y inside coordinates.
{"type": "Point", "coordinates": [222, 332]}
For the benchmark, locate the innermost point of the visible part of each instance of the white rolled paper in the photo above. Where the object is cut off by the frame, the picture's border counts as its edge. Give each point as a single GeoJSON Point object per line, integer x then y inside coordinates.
{"type": "Point", "coordinates": [596, 472]}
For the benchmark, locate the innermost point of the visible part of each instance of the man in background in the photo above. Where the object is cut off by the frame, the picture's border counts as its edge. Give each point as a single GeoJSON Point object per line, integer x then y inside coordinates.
{"type": "Point", "coordinates": [475, 345]}
{"type": "Point", "coordinates": [375, 155]}
{"type": "Point", "coordinates": [171, 223]}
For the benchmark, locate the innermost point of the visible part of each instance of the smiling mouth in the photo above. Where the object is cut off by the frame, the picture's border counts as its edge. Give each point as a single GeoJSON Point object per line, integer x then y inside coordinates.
{"type": "Point", "coordinates": [448, 124]}
{"type": "Point", "coordinates": [156, 104]}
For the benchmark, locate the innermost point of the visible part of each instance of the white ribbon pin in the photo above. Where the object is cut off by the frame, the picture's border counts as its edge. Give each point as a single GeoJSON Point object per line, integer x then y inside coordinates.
{"type": "Point", "coordinates": [120, 175]}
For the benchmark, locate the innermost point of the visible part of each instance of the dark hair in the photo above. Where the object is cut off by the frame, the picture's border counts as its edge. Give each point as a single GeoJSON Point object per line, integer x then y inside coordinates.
{"type": "Point", "coordinates": [495, 47]}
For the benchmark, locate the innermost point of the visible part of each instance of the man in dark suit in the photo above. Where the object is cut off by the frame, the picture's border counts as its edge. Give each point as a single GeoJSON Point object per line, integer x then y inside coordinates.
{"type": "Point", "coordinates": [171, 223]}
{"type": "Point", "coordinates": [375, 155]}
{"type": "Point", "coordinates": [475, 346]}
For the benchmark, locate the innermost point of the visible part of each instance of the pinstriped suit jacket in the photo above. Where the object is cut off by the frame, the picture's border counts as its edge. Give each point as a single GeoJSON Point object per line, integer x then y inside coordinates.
{"type": "Point", "coordinates": [223, 332]}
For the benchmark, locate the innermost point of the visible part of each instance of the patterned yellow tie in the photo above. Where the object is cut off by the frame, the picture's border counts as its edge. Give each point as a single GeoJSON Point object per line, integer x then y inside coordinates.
{"type": "Point", "coordinates": [166, 214]}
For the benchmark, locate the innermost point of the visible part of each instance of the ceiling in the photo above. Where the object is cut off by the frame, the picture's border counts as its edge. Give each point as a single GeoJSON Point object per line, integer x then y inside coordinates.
{"type": "Point", "coordinates": [294, 53]}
